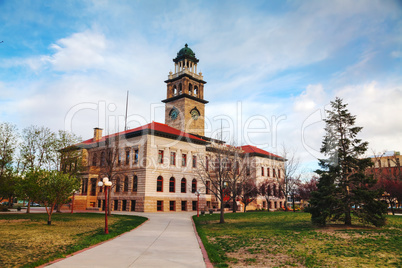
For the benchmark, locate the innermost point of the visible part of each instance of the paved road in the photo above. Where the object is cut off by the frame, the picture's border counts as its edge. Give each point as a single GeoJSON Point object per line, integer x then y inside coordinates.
{"type": "Point", "coordinates": [166, 240]}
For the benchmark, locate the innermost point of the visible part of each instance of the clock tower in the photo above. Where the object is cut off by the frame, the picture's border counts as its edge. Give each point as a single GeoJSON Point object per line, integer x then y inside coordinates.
{"type": "Point", "coordinates": [185, 104]}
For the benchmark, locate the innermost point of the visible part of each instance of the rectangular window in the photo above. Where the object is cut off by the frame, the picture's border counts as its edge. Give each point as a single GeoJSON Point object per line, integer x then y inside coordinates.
{"type": "Point", "coordinates": [172, 205]}
{"type": "Point", "coordinates": [135, 156]}
{"type": "Point", "coordinates": [279, 173]}
{"type": "Point", "coordinates": [173, 158]}
{"type": "Point", "coordinates": [248, 170]}
{"type": "Point", "coordinates": [262, 171]}
{"type": "Point", "coordinates": [124, 205]}
{"type": "Point", "coordinates": [116, 205]}
{"type": "Point", "coordinates": [183, 205]}
{"type": "Point", "coordinates": [268, 172]}
{"type": "Point", "coordinates": [183, 160]}
{"type": "Point", "coordinates": [160, 157]}
{"type": "Point", "coordinates": [132, 205]}
{"type": "Point", "coordinates": [194, 205]}
{"type": "Point", "coordinates": [207, 187]}
{"type": "Point", "coordinates": [206, 163]}
{"type": "Point", "coordinates": [194, 161]}
{"type": "Point", "coordinates": [127, 157]}
{"type": "Point", "coordinates": [159, 205]}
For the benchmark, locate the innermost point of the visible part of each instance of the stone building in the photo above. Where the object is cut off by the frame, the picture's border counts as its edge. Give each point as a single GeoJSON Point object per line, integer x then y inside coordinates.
{"type": "Point", "coordinates": [156, 166]}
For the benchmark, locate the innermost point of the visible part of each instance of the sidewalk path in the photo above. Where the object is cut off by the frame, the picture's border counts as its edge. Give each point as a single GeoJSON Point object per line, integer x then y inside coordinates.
{"type": "Point", "coordinates": [166, 240]}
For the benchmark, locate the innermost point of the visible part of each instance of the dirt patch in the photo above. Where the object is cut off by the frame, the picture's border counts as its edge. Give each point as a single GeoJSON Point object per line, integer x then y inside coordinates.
{"type": "Point", "coordinates": [243, 258]}
{"type": "Point", "coordinates": [338, 231]}
{"type": "Point", "coordinates": [12, 221]}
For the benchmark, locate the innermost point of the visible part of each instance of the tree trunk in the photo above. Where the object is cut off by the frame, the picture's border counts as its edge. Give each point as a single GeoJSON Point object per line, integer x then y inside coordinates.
{"type": "Point", "coordinates": [234, 209]}
{"type": "Point", "coordinates": [109, 205]}
{"type": "Point", "coordinates": [293, 203]}
{"type": "Point", "coordinates": [222, 218]}
{"type": "Point", "coordinates": [348, 218]}
{"type": "Point", "coordinates": [29, 206]}
{"type": "Point", "coordinates": [245, 207]}
{"type": "Point", "coordinates": [392, 207]}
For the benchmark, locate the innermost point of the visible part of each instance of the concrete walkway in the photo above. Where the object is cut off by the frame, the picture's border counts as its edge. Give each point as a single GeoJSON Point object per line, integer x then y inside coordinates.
{"type": "Point", "coordinates": [166, 240]}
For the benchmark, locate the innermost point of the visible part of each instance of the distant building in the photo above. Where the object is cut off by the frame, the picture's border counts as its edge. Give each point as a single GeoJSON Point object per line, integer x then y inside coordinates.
{"type": "Point", "coordinates": [387, 164]}
{"type": "Point", "coordinates": [155, 168]}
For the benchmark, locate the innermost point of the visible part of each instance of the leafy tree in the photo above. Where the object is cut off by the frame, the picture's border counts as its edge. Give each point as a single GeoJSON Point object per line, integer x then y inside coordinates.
{"type": "Point", "coordinates": [304, 189]}
{"type": "Point", "coordinates": [343, 182]}
{"type": "Point", "coordinates": [8, 145]}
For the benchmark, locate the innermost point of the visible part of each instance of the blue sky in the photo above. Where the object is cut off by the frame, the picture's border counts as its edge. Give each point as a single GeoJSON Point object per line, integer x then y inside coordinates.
{"type": "Point", "coordinates": [271, 67]}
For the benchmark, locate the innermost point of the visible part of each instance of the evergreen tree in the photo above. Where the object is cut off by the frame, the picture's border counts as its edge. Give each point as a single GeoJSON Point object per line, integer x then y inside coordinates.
{"type": "Point", "coordinates": [343, 182]}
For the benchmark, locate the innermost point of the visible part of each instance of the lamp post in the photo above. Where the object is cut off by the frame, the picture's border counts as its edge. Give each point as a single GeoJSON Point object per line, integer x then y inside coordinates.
{"type": "Point", "coordinates": [197, 193]}
{"type": "Point", "coordinates": [107, 184]}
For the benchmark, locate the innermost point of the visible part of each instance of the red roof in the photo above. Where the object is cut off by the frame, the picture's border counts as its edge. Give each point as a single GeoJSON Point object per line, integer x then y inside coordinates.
{"type": "Point", "coordinates": [151, 126]}
{"type": "Point", "coordinates": [252, 149]}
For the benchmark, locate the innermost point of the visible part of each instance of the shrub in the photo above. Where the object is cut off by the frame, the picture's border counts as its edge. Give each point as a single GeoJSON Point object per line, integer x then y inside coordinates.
{"type": "Point", "coordinates": [3, 207]}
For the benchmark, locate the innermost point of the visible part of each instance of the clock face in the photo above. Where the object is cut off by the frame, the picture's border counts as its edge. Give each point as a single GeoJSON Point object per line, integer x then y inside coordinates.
{"type": "Point", "coordinates": [195, 114]}
{"type": "Point", "coordinates": [174, 113]}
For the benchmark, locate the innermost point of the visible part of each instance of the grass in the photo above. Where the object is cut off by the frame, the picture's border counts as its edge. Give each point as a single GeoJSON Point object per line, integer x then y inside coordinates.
{"type": "Point", "coordinates": [27, 241]}
{"type": "Point", "coordinates": [286, 239]}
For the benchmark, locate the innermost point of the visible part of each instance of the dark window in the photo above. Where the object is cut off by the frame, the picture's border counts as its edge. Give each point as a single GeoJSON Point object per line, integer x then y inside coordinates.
{"type": "Point", "coordinates": [248, 170]}
{"type": "Point", "coordinates": [136, 156]}
{"type": "Point", "coordinates": [159, 184]}
{"type": "Point", "coordinates": [159, 205]}
{"type": "Point", "coordinates": [172, 205]}
{"type": "Point", "coordinates": [103, 159]}
{"type": "Point", "coordinates": [132, 205]}
{"type": "Point", "coordinates": [124, 205]}
{"type": "Point", "coordinates": [190, 89]}
{"type": "Point", "coordinates": [194, 205]}
{"type": "Point", "coordinates": [173, 158]}
{"type": "Point", "coordinates": [94, 160]}
{"type": "Point", "coordinates": [127, 157]}
{"type": "Point", "coordinates": [180, 89]}
{"type": "Point", "coordinates": [99, 203]}
{"type": "Point", "coordinates": [194, 186]}
{"type": "Point", "coordinates": [207, 187]}
{"type": "Point", "coordinates": [183, 160]}
{"type": "Point", "coordinates": [117, 185]}
{"type": "Point", "coordinates": [206, 164]}
{"type": "Point", "coordinates": [279, 173]}
{"type": "Point", "coordinates": [262, 171]}
{"type": "Point", "coordinates": [183, 185]}
{"type": "Point", "coordinates": [172, 183]}
{"type": "Point", "coordinates": [184, 205]}
{"type": "Point", "coordinates": [268, 172]}
{"type": "Point", "coordinates": [84, 186]}
{"type": "Point", "coordinates": [160, 157]}
{"type": "Point", "coordinates": [125, 185]}
{"type": "Point", "coordinates": [93, 186]}
{"type": "Point", "coordinates": [135, 183]}
{"type": "Point", "coordinates": [194, 161]}
{"type": "Point", "coordinates": [116, 205]}
{"type": "Point", "coordinates": [273, 173]}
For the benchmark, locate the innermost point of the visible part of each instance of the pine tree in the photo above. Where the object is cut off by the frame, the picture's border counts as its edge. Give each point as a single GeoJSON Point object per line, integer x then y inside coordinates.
{"type": "Point", "coordinates": [343, 183]}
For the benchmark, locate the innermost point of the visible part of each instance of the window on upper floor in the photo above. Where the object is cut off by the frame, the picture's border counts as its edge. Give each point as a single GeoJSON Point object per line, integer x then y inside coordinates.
{"type": "Point", "coordinates": [135, 156]}
{"type": "Point", "coordinates": [94, 159]}
{"type": "Point", "coordinates": [183, 186]}
{"type": "Point", "coordinates": [125, 186]}
{"type": "Point", "coordinates": [172, 184]}
{"type": "Point", "coordinates": [117, 185]}
{"type": "Point", "coordinates": [135, 183]}
{"type": "Point", "coordinates": [194, 161]}
{"type": "Point", "coordinates": [127, 157]}
{"type": "Point", "coordinates": [160, 157]}
{"type": "Point", "coordinates": [183, 160]}
{"type": "Point", "coordinates": [173, 158]}
{"type": "Point", "coordinates": [159, 184]}
{"type": "Point", "coordinates": [194, 186]}
{"type": "Point", "coordinates": [262, 171]}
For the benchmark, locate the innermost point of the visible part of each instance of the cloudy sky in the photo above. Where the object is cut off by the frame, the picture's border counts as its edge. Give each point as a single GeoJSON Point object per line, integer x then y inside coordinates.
{"type": "Point", "coordinates": [271, 67]}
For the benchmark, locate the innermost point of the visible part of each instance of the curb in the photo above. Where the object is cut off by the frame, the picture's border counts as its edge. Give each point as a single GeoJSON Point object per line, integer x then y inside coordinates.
{"type": "Point", "coordinates": [208, 263]}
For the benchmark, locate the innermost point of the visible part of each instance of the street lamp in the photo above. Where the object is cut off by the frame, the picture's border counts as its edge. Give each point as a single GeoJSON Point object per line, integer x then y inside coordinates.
{"type": "Point", "coordinates": [107, 184]}
{"type": "Point", "coordinates": [197, 193]}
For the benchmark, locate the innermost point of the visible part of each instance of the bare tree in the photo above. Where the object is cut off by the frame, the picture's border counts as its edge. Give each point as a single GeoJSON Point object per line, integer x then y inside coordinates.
{"type": "Point", "coordinates": [287, 180]}
{"type": "Point", "coordinates": [248, 192]}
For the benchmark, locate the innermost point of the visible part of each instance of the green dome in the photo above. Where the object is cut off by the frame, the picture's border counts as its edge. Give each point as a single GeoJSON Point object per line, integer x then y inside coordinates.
{"type": "Point", "coordinates": [185, 51]}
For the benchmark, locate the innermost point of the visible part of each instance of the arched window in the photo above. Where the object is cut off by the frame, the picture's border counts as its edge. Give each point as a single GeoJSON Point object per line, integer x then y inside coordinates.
{"type": "Point", "coordinates": [194, 186]}
{"type": "Point", "coordinates": [190, 89]}
{"type": "Point", "coordinates": [94, 160]}
{"type": "Point", "coordinates": [195, 90]}
{"type": "Point", "coordinates": [174, 90]}
{"type": "Point", "coordinates": [117, 185]}
{"type": "Point", "coordinates": [172, 183]}
{"type": "Point", "coordinates": [183, 185]}
{"type": "Point", "coordinates": [135, 183]}
{"type": "Point", "coordinates": [159, 184]}
{"type": "Point", "coordinates": [103, 159]}
{"type": "Point", "coordinates": [180, 89]}
{"type": "Point", "coordinates": [125, 187]}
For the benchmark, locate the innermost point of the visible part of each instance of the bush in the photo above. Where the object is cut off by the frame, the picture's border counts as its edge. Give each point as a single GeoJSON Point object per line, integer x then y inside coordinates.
{"type": "Point", "coordinates": [3, 207]}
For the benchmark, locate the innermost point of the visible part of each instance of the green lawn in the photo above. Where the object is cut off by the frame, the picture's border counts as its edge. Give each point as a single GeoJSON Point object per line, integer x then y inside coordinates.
{"type": "Point", "coordinates": [27, 241]}
{"type": "Point", "coordinates": [286, 239]}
